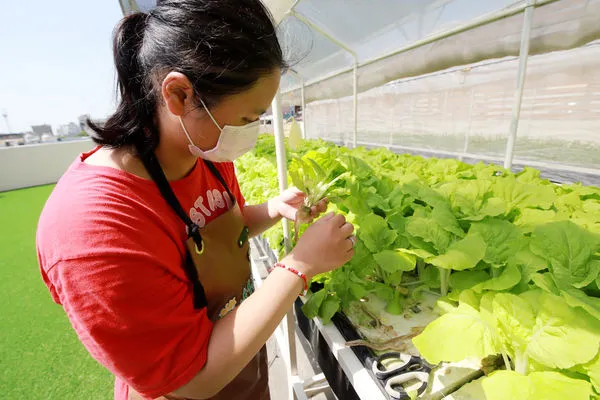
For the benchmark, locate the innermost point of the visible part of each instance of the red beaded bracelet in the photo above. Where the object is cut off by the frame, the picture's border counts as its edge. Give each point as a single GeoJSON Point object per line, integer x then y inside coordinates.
{"type": "Point", "coordinates": [296, 272]}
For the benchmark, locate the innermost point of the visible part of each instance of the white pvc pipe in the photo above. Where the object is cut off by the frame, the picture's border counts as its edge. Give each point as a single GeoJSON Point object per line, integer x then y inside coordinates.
{"type": "Point", "coordinates": [523, 57]}
{"type": "Point", "coordinates": [355, 105]}
{"type": "Point", "coordinates": [279, 143]}
{"type": "Point", "coordinates": [304, 135]}
{"type": "Point", "coordinates": [283, 184]}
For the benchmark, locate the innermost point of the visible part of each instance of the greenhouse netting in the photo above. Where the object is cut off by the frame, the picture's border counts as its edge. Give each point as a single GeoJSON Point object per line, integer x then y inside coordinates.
{"type": "Point", "coordinates": [443, 77]}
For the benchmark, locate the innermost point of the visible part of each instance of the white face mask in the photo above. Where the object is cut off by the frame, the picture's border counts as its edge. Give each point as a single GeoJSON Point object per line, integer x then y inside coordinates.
{"type": "Point", "coordinates": [233, 142]}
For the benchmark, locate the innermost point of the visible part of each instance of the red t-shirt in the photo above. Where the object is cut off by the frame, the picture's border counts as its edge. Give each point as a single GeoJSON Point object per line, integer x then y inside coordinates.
{"type": "Point", "coordinates": [110, 251]}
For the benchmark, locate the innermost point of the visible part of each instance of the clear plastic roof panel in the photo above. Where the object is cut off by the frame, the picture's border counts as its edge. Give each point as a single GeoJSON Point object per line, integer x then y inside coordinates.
{"type": "Point", "coordinates": [309, 53]}
{"type": "Point", "coordinates": [376, 30]}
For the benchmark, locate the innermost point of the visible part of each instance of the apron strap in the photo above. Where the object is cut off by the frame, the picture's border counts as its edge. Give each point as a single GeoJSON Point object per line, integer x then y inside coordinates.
{"type": "Point", "coordinates": [154, 169]}
{"type": "Point", "coordinates": [158, 176]}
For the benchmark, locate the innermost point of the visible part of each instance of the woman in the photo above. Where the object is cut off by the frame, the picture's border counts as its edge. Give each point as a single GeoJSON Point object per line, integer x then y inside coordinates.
{"type": "Point", "coordinates": [144, 241]}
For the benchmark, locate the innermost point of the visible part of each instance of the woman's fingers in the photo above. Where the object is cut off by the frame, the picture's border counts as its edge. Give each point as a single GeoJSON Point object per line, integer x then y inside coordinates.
{"type": "Point", "coordinates": [350, 243]}
{"type": "Point", "coordinates": [347, 229]}
{"type": "Point", "coordinates": [292, 194]}
{"type": "Point", "coordinates": [326, 217]}
{"type": "Point", "coordinates": [319, 208]}
{"type": "Point", "coordinates": [322, 205]}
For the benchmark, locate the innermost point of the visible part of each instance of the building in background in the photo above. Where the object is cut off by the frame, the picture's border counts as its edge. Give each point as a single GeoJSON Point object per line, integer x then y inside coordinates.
{"type": "Point", "coordinates": [32, 138]}
{"type": "Point", "coordinates": [68, 130]}
{"type": "Point", "coordinates": [12, 139]}
{"type": "Point", "coordinates": [43, 132]}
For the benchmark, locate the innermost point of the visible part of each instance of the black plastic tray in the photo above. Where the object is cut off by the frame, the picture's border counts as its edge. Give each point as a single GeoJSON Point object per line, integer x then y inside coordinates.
{"type": "Point", "coordinates": [338, 381]}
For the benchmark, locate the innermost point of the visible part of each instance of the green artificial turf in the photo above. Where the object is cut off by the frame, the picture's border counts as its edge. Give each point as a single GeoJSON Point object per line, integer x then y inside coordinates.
{"type": "Point", "coordinates": [40, 355]}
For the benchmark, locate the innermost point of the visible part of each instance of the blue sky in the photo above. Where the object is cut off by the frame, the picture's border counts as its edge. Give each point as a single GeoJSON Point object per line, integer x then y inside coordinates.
{"type": "Point", "coordinates": [56, 60]}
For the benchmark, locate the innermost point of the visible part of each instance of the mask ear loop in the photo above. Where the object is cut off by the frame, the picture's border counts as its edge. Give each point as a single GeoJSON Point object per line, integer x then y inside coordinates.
{"type": "Point", "coordinates": [210, 115]}
{"type": "Point", "coordinates": [185, 131]}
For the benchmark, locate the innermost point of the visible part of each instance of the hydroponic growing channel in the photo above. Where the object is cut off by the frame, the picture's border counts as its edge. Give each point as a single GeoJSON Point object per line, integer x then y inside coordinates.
{"type": "Point", "coordinates": [513, 261]}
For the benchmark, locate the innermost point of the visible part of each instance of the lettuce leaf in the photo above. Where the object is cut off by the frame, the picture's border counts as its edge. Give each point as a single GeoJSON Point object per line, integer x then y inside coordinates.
{"type": "Point", "coordinates": [508, 278]}
{"type": "Point", "coordinates": [593, 370]}
{"type": "Point", "coordinates": [395, 260]}
{"type": "Point", "coordinates": [505, 385]}
{"type": "Point", "coordinates": [568, 248]}
{"type": "Point", "coordinates": [456, 335]}
{"type": "Point", "coordinates": [563, 336]}
{"type": "Point", "coordinates": [518, 195]}
{"type": "Point", "coordinates": [429, 230]}
{"type": "Point", "coordinates": [375, 233]}
{"type": "Point", "coordinates": [501, 237]}
{"type": "Point", "coordinates": [461, 255]}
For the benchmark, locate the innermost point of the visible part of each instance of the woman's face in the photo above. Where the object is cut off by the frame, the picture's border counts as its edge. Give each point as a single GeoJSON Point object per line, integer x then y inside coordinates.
{"type": "Point", "coordinates": [236, 110]}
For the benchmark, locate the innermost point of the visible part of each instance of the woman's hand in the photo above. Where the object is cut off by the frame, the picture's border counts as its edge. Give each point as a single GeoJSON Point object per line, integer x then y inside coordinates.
{"type": "Point", "coordinates": [327, 244]}
{"type": "Point", "coordinates": [288, 203]}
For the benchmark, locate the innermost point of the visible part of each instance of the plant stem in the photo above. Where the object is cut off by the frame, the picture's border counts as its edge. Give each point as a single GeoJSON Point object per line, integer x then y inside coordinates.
{"type": "Point", "coordinates": [413, 283]}
{"type": "Point", "coordinates": [380, 273]}
{"type": "Point", "coordinates": [506, 361]}
{"type": "Point", "coordinates": [521, 363]}
{"type": "Point", "coordinates": [444, 280]}
{"type": "Point", "coordinates": [420, 267]}
{"type": "Point", "coordinates": [495, 272]}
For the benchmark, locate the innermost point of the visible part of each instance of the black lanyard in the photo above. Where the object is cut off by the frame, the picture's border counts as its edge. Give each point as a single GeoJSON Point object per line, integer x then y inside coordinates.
{"type": "Point", "coordinates": [156, 172]}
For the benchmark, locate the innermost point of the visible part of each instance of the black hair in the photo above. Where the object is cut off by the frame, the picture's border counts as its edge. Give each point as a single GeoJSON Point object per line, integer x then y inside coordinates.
{"type": "Point", "coordinates": [222, 46]}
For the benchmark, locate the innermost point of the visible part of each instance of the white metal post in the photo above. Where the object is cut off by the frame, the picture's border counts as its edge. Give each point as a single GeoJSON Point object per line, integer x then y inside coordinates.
{"type": "Point", "coordinates": [283, 184]}
{"type": "Point", "coordinates": [280, 146]}
{"type": "Point", "coordinates": [516, 110]}
{"type": "Point", "coordinates": [355, 104]}
{"type": "Point", "coordinates": [304, 136]}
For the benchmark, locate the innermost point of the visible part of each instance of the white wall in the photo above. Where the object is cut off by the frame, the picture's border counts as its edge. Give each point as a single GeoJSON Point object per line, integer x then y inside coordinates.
{"type": "Point", "coordinates": [39, 164]}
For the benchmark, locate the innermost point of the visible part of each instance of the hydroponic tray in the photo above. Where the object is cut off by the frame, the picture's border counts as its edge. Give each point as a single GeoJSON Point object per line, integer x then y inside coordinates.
{"type": "Point", "coordinates": [348, 369]}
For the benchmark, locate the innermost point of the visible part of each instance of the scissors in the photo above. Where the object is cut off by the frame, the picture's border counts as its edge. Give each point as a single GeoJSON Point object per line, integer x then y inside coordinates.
{"type": "Point", "coordinates": [406, 368]}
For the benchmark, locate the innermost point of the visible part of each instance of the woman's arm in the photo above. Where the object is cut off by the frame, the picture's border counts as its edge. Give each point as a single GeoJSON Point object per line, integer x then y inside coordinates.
{"type": "Point", "coordinates": [237, 337]}
{"type": "Point", "coordinates": [261, 217]}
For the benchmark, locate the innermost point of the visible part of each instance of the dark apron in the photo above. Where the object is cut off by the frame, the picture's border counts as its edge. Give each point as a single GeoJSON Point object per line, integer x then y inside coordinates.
{"type": "Point", "coordinates": [218, 266]}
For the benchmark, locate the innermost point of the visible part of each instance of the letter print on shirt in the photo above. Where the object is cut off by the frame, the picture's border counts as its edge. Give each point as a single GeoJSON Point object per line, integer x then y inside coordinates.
{"type": "Point", "coordinates": [215, 200]}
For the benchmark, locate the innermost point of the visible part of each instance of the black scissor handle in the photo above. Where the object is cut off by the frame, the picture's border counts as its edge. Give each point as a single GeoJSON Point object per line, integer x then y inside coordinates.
{"type": "Point", "coordinates": [396, 391]}
{"type": "Point", "coordinates": [405, 362]}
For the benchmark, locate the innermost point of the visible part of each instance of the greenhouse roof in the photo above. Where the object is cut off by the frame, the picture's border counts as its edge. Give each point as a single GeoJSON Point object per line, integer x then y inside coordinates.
{"type": "Point", "coordinates": [386, 40]}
